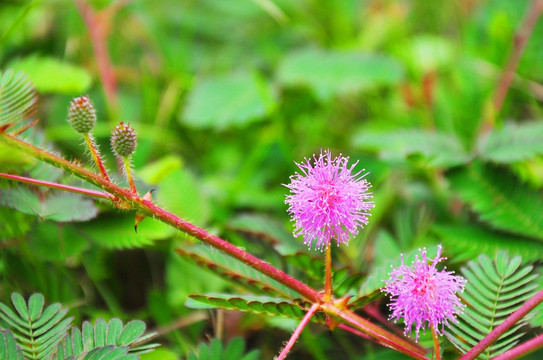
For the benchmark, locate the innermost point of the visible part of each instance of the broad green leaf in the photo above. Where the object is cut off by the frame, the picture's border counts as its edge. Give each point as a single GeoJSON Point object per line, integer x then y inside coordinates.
{"type": "Point", "coordinates": [514, 142]}
{"type": "Point", "coordinates": [56, 241]}
{"type": "Point", "coordinates": [227, 101]}
{"type": "Point", "coordinates": [426, 53]}
{"type": "Point", "coordinates": [17, 98]}
{"type": "Point", "coordinates": [494, 290]}
{"type": "Point", "coordinates": [20, 305]}
{"type": "Point", "coordinates": [50, 75]}
{"type": "Point", "coordinates": [35, 306]}
{"type": "Point", "coordinates": [8, 347]}
{"type": "Point", "coordinates": [57, 206]}
{"type": "Point", "coordinates": [332, 73]}
{"type": "Point", "coordinates": [434, 148]}
{"type": "Point", "coordinates": [500, 199]}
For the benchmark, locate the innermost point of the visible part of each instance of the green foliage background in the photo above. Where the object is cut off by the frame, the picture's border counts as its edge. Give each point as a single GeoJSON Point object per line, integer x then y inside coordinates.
{"type": "Point", "coordinates": [225, 96]}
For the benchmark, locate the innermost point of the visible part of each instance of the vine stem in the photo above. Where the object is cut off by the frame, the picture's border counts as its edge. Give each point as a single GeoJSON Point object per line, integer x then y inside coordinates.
{"type": "Point", "coordinates": [89, 140]}
{"type": "Point", "coordinates": [503, 327]}
{"type": "Point", "coordinates": [522, 349]}
{"type": "Point", "coordinates": [328, 274]}
{"type": "Point", "coordinates": [53, 185]}
{"type": "Point", "coordinates": [298, 331]}
{"type": "Point", "coordinates": [437, 350]}
{"type": "Point", "coordinates": [148, 208]}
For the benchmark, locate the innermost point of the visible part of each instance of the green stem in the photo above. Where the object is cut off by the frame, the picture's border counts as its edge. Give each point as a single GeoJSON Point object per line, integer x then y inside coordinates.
{"type": "Point", "coordinates": [328, 274]}
{"type": "Point", "coordinates": [128, 172]}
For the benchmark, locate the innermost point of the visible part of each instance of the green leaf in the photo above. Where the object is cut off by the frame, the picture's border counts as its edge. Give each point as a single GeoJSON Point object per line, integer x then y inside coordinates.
{"type": "Point", "coordinates": [295, 309]}
{"type": "Point", "coordinates": [8, 347]}
{"type": "Point", "coordinates": [58, 206]}
{"type": "Point", "coordinates": [17, 98]}
{"type": "Point", "coordinates": [227, 101]}
{"type": "Point", "coordinates": [468, 241]}
{"type": "Point", "coordinates": [111, 335]}
{"type": "Point", "coordinates": [500, 199]}
{"type": "Point", "coordinates": [512, 143]}
{"type": "Point", "coordinates": [332, 73]}
{"type": "Point", "coordinates": [494, 290]}
{"type": "Point", "coordinates": [38, 332]}
{"type": "Point", "coordinates": [433, 148]}
{"type": "Point", "coordinates": [51, 75]}
{"type": "Point", "coordinates": [131, 332]}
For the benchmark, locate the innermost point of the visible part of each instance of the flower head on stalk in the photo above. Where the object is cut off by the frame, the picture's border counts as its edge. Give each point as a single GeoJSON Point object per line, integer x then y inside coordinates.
{"type": "Point", "coordinates": [423, 295]}
{"type": "Point", "coordinates": [327, 201]}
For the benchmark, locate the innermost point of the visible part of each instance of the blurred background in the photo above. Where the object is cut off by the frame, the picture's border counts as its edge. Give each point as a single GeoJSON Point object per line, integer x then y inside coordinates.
{"type": "Point", "coordinates": [225, 96]}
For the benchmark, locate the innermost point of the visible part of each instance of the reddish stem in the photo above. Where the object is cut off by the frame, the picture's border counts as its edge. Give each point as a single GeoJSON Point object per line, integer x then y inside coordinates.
{"type": "Point", "coordinates": [297, 332]}
{"type": "Point", "coordinates": [53, 185]}
{"type": "Point", "coordinates": [97, 25]}
{"type": "Point", "coordinates": [522, 349]}
{"type": "Point", "coordinates": [89, 140]}
{"type": "Point", "coordinates": [503, 327]}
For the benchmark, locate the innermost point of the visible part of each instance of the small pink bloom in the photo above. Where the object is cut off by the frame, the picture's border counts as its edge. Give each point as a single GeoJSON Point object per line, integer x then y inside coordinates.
{"type": "Point", "coordinates": [328, 201]}
{"type": "Point", "coordinates": [423, 295]}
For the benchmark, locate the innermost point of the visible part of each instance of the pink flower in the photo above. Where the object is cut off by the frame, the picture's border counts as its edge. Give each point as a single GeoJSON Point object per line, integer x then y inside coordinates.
{"type": "Point", "coordinates": [423, 295]}
{"type": "Point", "coordinates": [328, 201]}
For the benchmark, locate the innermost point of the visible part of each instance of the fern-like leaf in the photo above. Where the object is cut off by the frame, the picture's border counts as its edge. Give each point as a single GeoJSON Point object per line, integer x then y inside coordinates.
{"type": "Point", "coordinates": [37, 331]}
{"type": "Point", "coordinates": [111, 335]}
{"type": "Point", "coordinates": [500, 199]}
{"type": "Point", "coordinates": [8, 347]}
{"type": "Point", "coordinates": [17, 98]}
{"type": "Point", "coordinates": [514, 142]}
{"type": "Point", "coordinates": [216, 351]}
{"type": "Point", "coordinates": [467, 242]}
{"type": "Point", "coordinates": [294, 309]}
{"type": "Point", "coordinates": [494, 290]}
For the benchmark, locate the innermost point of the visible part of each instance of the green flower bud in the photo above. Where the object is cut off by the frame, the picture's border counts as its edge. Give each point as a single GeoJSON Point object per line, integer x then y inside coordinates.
{"type": "Point", "coordinates": [81, 114]}
{"type": "Point", "coordinates": [123, 139]}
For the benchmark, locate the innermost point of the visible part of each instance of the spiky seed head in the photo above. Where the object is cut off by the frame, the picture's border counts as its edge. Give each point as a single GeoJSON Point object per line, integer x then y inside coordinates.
{"type": "Point", "coordinates": [81, 114]}
{"type": "Point", "coordinates": [123, 139]}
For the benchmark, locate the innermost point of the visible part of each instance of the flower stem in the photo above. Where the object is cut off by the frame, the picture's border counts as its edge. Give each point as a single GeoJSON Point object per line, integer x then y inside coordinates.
{"type": "Point", "coordinates": [128, 172]}
{"type": "Point", "coordinates": [53, 185]}
{"type": "Point", "coordinates": [297, 332]}
{"type": "Point", "coordinates": [328, 275]}
{"type": "Point", "coordinates": [504, 326]}
{"type": "Point", "coordinates": [96, 155]}
{"type": "Point", "coordinates": [437, 350]}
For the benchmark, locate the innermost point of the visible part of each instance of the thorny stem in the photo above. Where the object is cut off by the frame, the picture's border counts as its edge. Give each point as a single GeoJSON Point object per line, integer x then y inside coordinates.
{"type": "Point", "coordinates": [89, 140]}
{"type": "Point", "coordinates": [328, 274]}
{"type": "Point", "coordinates": [148, 208]}
{"type": "Point", "coordinates": [503, 327]}
{"type": "Point", "coordinates": [53, 185]}
{"type": "Point", "coordinates": [128, 172]}
{"type": "Point", "coordinates": [437, 350]}
{"type": "Point", "coordinates": [522, 349]}
{"type": "Point", "coordinates": [298, 331]}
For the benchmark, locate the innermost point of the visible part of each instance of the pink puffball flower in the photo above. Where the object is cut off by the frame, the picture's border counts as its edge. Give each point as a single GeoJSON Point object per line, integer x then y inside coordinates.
{"type": "Point", "coordinates": [328, 201]}
{"type": "Point", "coordinates": [422, 295]}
